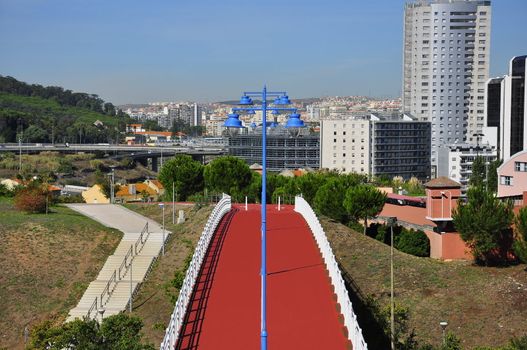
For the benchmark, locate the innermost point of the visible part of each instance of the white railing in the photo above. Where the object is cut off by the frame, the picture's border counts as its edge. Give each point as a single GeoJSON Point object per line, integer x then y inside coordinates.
{"type": "Point", "coordinates": [350, 319]}
{"type": "Point", "coordinates": [176, 320]}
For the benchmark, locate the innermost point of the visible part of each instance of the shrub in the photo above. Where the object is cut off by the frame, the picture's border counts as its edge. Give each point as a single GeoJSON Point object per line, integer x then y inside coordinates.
{"type": "Point", "coordinates": [31, 200]}
{"type": "Point", "coordinates": [413, 242]}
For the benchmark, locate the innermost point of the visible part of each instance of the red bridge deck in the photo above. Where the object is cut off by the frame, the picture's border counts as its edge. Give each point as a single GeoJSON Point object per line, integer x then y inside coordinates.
{"type": "Point", "coordinates": [225, 307]}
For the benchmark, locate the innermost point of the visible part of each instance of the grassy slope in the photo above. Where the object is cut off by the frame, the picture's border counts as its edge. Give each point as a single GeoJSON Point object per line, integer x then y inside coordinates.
{"type": "Point", "coordinates": [47, 261]}
{"type": "Point", "coordinates": [152, 303]}
{"type": "Point", "coordinates": [40, 107]}
{"type": "Point", "coordinates": [484, 306]}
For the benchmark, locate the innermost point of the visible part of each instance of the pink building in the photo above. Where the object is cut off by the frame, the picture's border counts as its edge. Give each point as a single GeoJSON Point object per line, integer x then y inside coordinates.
{"type": "Point", "coordinates": [435, 220]}
{"type": "Point", "coordinates": [512, 177]}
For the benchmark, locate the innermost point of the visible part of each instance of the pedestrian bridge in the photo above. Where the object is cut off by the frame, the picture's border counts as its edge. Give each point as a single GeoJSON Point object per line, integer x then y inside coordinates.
{"type": "Point", "coordinates": [307, 303]}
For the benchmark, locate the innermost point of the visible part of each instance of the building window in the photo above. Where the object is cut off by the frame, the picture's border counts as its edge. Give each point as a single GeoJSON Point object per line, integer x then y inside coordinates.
{"type": "Point", "coordinates": [520, 166]}
{"type": "Point", "coordinates": [506, 180]}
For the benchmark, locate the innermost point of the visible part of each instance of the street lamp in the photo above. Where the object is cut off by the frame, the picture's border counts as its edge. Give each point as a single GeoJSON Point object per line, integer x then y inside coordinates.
{"type": "Point", "coordinates": [391, 221]}
{"type": "Point", "coordinates": [443, 325]}
{"type": "Point", "coordinates": [162, 206]}
{"type": "Point", "coordinates": [233, 123]}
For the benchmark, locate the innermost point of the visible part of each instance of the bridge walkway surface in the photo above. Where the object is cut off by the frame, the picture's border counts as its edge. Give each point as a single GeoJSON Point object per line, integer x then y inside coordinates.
{"type": "Point", "coordinates": [224, 311]}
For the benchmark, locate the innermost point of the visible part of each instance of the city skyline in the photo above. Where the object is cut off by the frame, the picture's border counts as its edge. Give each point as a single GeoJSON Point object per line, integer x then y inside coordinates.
{"type": "Point", "coordinates": [134, 53]}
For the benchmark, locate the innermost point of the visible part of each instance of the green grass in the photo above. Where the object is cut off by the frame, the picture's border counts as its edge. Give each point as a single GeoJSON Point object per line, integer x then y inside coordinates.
{"type": "Point", "coordinates": [483, 306]}
{"type": "Point", "coordinates": [47, 262]}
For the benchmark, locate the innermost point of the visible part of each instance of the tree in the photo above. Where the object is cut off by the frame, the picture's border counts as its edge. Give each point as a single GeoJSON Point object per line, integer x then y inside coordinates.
{"type": "Point", "coordinates": [478, 172]}
{"type": "Point", "coordinates": [227, 174]}
{"type": "Point", "coordinates": [413, 242]}
{"type": "Point", "coordinates": [452, 342]}
{"type": "Point", "coordinates": [184, 173]}
{"type": "Point", "coordinates": [117, 332]}
{"type": "Point", "coordinates": [31, 199]}
{"type": "Point", "coordinates": [483, 222]}
{"type": "Point", "coordinates": [363, 202]}
{"type": "Point", "coordinates": [328, 200]}
{"type": "Point", "coordinates": [492, 175]}
{"type": "Point", "coordinates": [35, 134]}
{"type": "Point", "coordinates": [520, 228]}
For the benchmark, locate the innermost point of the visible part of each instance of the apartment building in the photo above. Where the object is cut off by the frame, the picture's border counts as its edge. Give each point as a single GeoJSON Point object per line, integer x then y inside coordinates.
{"type": "Point", "coordinates": [455, 161]}
{"type": "Point", "coordinates": [376, 145]}
{"type": "Point", "coordinates": [506, 109]}
{"type": "Point", "coordinates": [445, 67]}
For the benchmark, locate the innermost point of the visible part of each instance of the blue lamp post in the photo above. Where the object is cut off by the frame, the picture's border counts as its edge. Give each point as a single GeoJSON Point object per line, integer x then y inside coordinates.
{"type": "Point", "coordinates": [233, 121]}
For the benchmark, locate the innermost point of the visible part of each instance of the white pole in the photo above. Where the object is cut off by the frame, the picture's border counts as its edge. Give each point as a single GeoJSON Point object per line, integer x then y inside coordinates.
{"type": "Point", "coordinates": [163, 230]}
{"type": "Point", "coordinates": [173, 204]}
{"type": "Point", "coordinates": [245, 203]}
{"type": "Point", "coordinates": [131, 291]}
{"type": "Point", "coordinates": [278, 203]}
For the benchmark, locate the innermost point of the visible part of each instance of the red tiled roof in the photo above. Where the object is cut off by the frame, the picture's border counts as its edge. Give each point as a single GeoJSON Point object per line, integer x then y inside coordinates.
{"type": "Point", "coordinates": [441, 182]}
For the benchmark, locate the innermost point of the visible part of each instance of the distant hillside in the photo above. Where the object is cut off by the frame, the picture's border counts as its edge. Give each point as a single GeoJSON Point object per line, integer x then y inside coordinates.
{"type": "Point", "coordinates": [42, 114]}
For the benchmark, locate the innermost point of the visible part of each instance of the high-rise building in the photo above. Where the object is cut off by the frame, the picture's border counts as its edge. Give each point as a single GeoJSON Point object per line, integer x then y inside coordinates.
{"type": "Point", "coordinates": [506, 109]}
{"type": "Point", "coordinates": [445, 67]}
{"type": "Point", "coordinates": [376, 145]}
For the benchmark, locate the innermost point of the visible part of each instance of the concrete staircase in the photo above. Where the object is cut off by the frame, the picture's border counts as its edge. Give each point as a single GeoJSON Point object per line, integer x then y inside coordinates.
{"type": "Point", "coordinates": [123, 271]}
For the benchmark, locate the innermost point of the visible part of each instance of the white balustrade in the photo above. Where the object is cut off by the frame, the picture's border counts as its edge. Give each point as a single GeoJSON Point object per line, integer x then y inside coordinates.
{"type": "Point", "coordinates": [350, 319]}
{"type": "Point", "coordinates": [176, 320]}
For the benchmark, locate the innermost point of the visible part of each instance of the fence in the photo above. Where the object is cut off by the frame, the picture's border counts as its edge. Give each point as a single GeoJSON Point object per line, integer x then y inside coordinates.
{"type": "Point", "coordinates": [350, 319]}
{"type": "Point", "coordinates": [176, 320]}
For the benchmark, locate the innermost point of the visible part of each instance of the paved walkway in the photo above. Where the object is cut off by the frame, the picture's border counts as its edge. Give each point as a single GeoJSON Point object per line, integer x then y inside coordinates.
{"type": "Point", "coordinates": [225, 306]}
{"type": "Point", "coordinates": [140, 258]}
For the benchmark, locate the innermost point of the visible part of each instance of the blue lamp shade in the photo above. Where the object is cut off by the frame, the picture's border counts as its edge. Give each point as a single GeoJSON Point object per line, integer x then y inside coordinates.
{"type": "Point", "coordinates": [246, 100]}
{"type": "Point", "coordinates": [275, 112]}
{"type": "Point", "coordinates": [250, 111]}
{"type": "Point", "coordinates": [253, 125]}
{"type": "Point", "coordinates": [283, 100]}
{"type": "Point", "coordinates": [294, 121]}
{"type": "Point", "coordinates": [233, 121]}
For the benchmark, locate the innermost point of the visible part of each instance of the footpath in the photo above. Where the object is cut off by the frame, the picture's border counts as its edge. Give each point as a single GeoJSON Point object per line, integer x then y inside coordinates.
{"type": "Point", "coordinates": [123, 271]}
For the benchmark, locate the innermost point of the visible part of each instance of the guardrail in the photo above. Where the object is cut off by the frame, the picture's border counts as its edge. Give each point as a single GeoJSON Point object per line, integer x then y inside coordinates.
{"type": "Point", "coordinates": [350, 319]}
{"type": "Point", "coordinates": [176, 320]}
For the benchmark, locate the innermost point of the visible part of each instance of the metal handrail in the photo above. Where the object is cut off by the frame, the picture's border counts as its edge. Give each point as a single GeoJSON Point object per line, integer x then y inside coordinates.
{"type": "Point", "coordinates": [350, 319]}
{"type": "Point", "coordinates": [140, 239]}
{"type": "Point", "coordinates": [106, 289]}
{"type": "Point", "coordinates": [92, 307]}
{"type": "Point", "coordinates": [124, 263]}
{"type": "Point", "coordinates": [176, 320]}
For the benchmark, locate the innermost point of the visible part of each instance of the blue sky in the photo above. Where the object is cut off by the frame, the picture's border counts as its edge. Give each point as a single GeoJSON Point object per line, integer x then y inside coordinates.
{"type": "Point", "coordinates": [208, 50]}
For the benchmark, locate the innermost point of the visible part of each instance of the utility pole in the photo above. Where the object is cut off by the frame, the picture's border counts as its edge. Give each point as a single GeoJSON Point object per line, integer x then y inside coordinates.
{"type": "Point", "coordinates": [20, 155]}
{"type": "Point", "coordinates": [391, 221]}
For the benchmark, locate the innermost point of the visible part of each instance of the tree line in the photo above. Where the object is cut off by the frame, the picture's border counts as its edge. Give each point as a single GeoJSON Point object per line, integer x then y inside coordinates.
{"type": "Point", "coordinates": [33, 113]}
{"type": "Point", "coordinates": [63, 96]}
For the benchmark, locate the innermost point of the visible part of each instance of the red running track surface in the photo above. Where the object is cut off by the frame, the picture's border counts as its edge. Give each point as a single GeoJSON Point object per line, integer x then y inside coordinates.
{"type": "Point", "coordinates": [301, 307]}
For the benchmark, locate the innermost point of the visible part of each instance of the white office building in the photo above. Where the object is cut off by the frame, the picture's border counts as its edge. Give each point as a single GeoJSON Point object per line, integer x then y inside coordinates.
{"type": "Point", "coordinates": [445, 67]}
{"type": "Point", "coordinates": [376, 145]}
